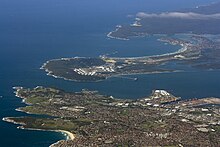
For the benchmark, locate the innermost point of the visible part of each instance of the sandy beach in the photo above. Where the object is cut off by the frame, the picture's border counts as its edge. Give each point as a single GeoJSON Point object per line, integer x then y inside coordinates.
{"type": "Point", "coordinates": [70, 136]}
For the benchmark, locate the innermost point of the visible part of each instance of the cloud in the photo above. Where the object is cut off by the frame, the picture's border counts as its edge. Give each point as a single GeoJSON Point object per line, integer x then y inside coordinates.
{"type": "Point", "coordinates": [188, 15]}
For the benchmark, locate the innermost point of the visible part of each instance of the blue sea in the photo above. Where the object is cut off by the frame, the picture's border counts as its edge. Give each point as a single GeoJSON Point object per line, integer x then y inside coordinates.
{"type": "Point", "coordinates": [34, 31]}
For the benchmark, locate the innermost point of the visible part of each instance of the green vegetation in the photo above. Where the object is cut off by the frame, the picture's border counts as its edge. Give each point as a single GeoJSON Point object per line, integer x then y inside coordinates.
{"type": "Point", "coordinates": [36, 100]}
{"type": "Point", "coordinates": [33, 110]}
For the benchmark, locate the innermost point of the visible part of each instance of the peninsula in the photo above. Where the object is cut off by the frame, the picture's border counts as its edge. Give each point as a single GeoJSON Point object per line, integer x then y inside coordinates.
{"type": "Point", "coordinates": [160, 119]}
{"type": "Point", "coordinates": [196, 52]}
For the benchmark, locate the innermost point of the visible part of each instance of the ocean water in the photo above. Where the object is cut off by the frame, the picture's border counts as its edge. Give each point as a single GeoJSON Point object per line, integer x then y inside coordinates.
{"type": "Point", "coordinates": [34, 31]}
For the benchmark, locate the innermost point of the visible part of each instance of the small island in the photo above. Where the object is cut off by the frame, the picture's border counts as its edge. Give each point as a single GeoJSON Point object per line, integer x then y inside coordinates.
{"type": "Point", "coordinates": [92, 119]}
